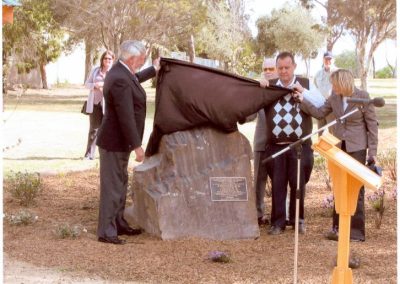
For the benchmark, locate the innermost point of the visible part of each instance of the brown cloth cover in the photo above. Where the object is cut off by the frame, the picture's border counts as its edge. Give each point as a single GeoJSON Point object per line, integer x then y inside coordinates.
{"type": "Point", "coordinates": [191, 95]}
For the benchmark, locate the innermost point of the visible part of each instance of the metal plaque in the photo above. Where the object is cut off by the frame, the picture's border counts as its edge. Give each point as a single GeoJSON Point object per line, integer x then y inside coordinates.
{"type": "Point", "coordinates": [228, 189]}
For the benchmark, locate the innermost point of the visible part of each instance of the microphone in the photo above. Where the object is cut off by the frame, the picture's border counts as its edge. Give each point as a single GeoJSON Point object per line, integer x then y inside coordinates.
{"type": "Point", "coordinates": [378, 102]}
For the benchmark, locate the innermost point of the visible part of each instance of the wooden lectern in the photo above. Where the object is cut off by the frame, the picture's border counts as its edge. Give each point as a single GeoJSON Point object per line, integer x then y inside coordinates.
{"type": "Point", "coordinates": [348, 175]}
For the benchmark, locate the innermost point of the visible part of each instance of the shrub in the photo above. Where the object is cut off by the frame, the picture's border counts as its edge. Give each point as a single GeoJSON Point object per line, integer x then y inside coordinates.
{"type": "Point", "coordinates": [65, 231]}
{"type": "Point", "coordinates": [388, 161]}
{"type": "Point", "coordinates": [24, 186]}
{"type": "Point", "coordinates": [384, 73]}
{"type": "Point", "coordinates": [377, 201]}
{"type": "Point", "coordinates": [328, 203]}
{"type": "Point", "coordinates": [23, 217]}
{"type": "Point", "coordinates": [321, 168]}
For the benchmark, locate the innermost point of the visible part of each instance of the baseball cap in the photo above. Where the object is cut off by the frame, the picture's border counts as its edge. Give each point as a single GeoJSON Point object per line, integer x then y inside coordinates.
{"type": "Point", "coordinates": [328, 54]}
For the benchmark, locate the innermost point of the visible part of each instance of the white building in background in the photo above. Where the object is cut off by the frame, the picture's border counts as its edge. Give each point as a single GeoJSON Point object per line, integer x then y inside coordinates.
{"type": "Point", "coordinates": [69, 68]}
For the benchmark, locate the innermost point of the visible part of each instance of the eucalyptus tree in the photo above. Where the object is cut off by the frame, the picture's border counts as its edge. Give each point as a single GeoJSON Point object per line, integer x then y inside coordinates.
{"type": "Point", "coordinates": [290, 29]}
{"type": "Point", "coordinates": [374, 22]}
{"type": "Point", "coordinates": [226, 36]}
{"type": "Point", "coordinates": [107, 23]}
{"type": "Point", "coordinates": [333, 20]}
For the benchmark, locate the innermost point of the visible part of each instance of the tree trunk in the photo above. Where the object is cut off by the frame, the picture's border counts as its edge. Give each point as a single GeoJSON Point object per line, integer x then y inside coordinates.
{"type": "Point", "coordinates": [192, 53]}
{"type": "Point", "coordinates": [363, 69]}
{"type": "Point", "coordinates": [373, 67]}
{"type": "Point", "coordinates": [6, 69]}
{"type": "Point", "coordinates": [88, 58]}
{"type": "Point", "coordinates": [43, 74]}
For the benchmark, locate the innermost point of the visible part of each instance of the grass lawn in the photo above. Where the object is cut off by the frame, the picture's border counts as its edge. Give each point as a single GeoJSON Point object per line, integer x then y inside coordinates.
{"type": "Point", "coordinates": [53, 132]}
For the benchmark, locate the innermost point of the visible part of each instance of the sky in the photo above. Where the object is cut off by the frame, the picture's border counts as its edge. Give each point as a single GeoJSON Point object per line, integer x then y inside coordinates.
{"type": "Point", "coordinates": [257, 8]}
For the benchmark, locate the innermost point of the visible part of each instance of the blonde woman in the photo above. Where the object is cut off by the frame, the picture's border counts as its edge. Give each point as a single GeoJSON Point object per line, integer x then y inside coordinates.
{"type": "Point", "coordinates": [95, 104]}
{"type": "Point", "coordinates": [358, 133]}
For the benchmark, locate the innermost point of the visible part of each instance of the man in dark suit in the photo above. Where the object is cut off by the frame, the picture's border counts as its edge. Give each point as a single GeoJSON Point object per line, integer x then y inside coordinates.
{"type": "Point", "coordinates": [120, 133]}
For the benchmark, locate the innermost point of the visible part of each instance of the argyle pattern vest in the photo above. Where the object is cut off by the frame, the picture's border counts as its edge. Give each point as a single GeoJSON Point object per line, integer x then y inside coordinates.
{"type": "Point", "coordinates": [286, 123]}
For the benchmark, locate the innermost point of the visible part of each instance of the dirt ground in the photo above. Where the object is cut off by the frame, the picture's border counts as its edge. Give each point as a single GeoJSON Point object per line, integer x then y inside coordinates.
{"type": "Point", "coordinates": [36, 252]}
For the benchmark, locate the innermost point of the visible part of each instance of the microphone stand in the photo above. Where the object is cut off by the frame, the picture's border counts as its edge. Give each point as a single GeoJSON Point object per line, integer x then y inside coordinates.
{"type": "Point", "coordinates": [298, 146]}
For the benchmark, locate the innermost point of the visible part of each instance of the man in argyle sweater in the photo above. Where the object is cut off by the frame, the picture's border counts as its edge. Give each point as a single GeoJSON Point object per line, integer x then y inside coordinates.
{"type": "Point", "coordinates": [285, 124]}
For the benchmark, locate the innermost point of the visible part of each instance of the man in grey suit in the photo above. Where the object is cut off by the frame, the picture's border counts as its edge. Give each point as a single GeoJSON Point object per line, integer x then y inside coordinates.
{"type": "Point", "coordinates": [120, 133]}
{"type": "Point", "coordinates": [260, 139]}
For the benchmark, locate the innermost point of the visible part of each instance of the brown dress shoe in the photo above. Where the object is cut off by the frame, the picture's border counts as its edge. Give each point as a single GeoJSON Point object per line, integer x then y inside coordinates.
{"type": "Point", "coordinates": [111, 240]}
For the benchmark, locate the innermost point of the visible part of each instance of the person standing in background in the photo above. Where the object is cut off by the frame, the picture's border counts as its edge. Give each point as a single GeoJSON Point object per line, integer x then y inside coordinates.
{"type": "Point", "coordinates": [95, 101]}
{"type": "Point", "coordinates": [260, 139]}
{"type": "Point", "coordinates": [324, 85]}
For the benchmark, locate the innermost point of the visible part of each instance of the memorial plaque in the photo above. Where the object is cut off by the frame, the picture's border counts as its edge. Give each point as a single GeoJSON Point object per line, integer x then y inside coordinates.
{"type": "Point", "coordinates": [228, 189]}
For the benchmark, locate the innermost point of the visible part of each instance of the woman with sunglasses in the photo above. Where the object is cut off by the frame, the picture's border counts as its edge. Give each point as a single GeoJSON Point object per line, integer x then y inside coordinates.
{"type": "Point", "coordinates": [95, 104]}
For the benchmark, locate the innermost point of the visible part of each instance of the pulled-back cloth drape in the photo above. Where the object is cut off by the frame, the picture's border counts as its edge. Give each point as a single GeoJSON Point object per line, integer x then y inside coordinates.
{"type": "Point", "coordinates": [191, 95]}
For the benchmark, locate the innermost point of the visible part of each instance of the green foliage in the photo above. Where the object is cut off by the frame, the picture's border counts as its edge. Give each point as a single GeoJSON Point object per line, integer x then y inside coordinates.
{"type": "Point", "coordinates": [65, 231]}
{"type": "Point", "coordinates": [347, 60]}
{"type": "Point", "coordinates": [384, 73]}
{"type": "Point", "coordinates": [22, 217]}
{"type": "Point", "coordinates": [292, 29]}
{"type": "Point", "coordinates": [24, 186]}
{"type": "Point", "coordinates": [34, 36]}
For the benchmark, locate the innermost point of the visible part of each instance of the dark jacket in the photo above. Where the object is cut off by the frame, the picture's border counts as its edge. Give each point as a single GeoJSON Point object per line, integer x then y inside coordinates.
{"type": "Point", "coordinates": [125, 109]}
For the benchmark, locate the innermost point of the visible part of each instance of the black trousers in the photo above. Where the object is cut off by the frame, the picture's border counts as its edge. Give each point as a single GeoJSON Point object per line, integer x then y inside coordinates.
{"type": "Point", "coordinates": [95, 119]}
{"type": "Point", "coordinates": [357, 231]}
{"type": "Point", "coordinates": [283, 171]}
{"type": "Point", "coordinates": [113, 189]}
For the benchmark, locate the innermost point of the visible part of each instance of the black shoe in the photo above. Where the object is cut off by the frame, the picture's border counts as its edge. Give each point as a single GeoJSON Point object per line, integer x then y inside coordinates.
{"type": "Point", "coordinates": [263, 221]}
{"type": "Point", "coordinates": [275, 230]}
{"type": "Point", "coordinates": [129, 232]}
{"type": "Point", "coordinates": [111, 240]}
{"type": "Point", "coordinates": [332, 235]}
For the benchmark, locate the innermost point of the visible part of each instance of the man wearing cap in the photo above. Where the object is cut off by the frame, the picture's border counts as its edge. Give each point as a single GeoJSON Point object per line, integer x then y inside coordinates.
{"type": "Point", "coordinates": [260, 139]}
{"type": "Point", "coordinates": [323, 84]}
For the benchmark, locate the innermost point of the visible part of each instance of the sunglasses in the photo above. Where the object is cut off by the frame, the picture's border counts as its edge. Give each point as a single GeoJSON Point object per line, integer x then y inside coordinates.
{"type": "Point", "coordinates": [107, 58]}
{"type": "Point", "coordinates": [269, 69]}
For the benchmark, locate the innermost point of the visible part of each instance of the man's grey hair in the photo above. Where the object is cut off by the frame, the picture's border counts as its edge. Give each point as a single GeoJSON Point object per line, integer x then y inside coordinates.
{"type": "Point", "coordinates": [131, 48]}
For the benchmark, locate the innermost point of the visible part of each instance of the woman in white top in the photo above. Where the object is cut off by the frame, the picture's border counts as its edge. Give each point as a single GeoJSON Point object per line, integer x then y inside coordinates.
{"type": "Point", "coordinates": [95, 102]}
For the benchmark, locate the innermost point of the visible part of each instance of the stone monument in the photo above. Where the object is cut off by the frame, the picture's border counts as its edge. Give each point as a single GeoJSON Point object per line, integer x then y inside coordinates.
{"type": "Point", "coordinates": [198, 185]}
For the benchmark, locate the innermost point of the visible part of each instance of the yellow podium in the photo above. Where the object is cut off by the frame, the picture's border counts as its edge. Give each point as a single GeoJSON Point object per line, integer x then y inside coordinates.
{"type": "Point", "coordinates": [348, 175]}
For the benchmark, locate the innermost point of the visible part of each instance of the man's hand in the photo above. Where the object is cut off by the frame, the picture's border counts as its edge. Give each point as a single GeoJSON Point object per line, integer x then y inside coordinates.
{"type": "Point", "coordinates": [264, 83]}
{"type": "Point", "coordinates": [298, 97]}
{"type": "Point", "coordinates": [139, 152]}
{"type": "Point", "coordinates": [156, 64]}
{"type": "Point", "coordinates": [297, 87]}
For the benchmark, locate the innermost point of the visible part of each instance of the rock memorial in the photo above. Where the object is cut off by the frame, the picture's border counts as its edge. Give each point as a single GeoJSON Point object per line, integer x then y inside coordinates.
{"type": "Point", "coordinates": [198, 185]}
